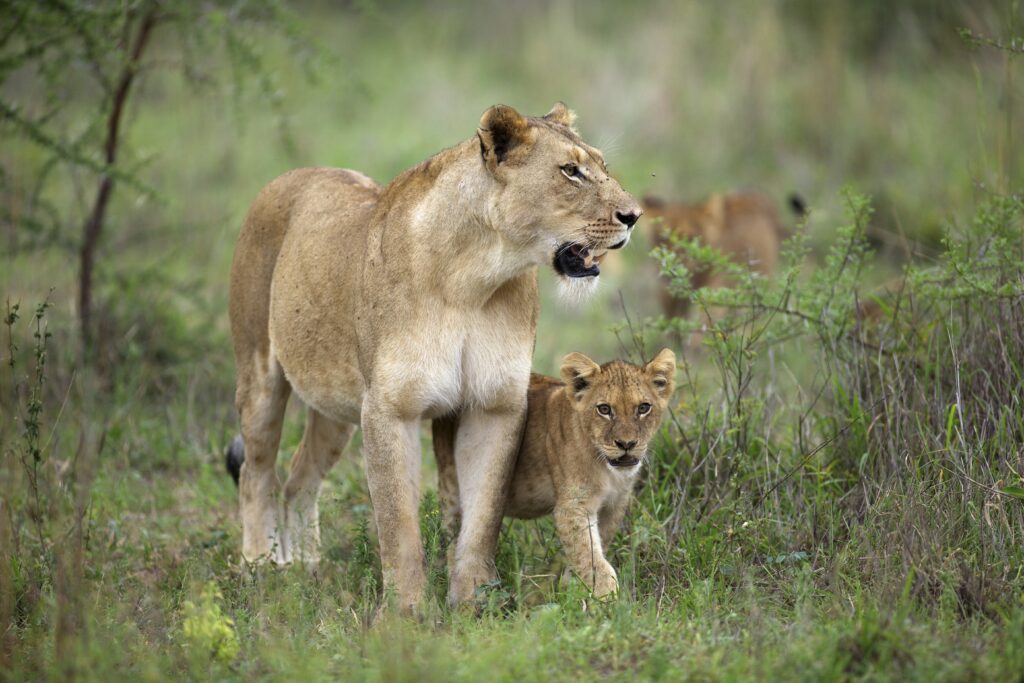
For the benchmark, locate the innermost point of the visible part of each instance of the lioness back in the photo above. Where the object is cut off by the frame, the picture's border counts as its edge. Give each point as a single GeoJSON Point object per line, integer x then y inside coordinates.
{"type": "Point", "coordinates": [298, 192]}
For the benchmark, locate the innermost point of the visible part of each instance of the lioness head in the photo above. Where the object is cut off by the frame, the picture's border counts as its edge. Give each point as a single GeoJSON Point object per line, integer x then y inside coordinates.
{"type": "Point", "coordinates": [554, 192]}
{"type": "Point", "coordinates": [620, 405]}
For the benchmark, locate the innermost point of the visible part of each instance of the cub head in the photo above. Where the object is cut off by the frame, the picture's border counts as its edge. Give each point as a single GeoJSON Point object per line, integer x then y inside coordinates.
{"type": "Point", "coordinates": [620, 405]}
{"type": "Point", "coordinates": [553, 193]}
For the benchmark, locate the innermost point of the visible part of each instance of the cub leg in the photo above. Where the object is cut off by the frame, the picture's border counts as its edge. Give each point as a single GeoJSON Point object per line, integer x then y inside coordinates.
{"type": "Point", "coordinates": [485, 453]}
{"type": "Point", "coordinates": [610, 518]}
{"type": "Point", "coordinates": [392, 448]}
{"type": "Point", "coordinates": [577, 527]}
{"type": "Point", "coordinates": [261, 398]}
{"type": "Point", "coordinates": [447, 480]}
{"type": "Point", "coordinates": [323, 442]}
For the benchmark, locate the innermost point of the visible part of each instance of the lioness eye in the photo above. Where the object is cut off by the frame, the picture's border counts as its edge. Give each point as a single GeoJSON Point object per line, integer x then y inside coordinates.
{"type": "Point", "coordinates": [572, 172]}
{"type": "Point", "coordinates": [604, 409]}
{"type": "Point", "coordinates": [643, 408]}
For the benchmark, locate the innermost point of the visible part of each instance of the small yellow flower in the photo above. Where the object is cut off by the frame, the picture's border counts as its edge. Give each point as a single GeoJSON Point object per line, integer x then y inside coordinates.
{"type": "Point", "coordinates": [206, 627]}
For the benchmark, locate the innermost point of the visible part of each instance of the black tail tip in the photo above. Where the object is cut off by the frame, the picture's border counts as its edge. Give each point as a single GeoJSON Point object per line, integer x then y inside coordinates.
{"type": "Point", "coordinates": [798, 205]}
{"type": "Point", "coordinates": [234, 456]}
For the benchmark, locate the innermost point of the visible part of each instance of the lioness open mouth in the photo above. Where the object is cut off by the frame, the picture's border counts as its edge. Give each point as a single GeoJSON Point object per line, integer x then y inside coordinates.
{"type": "Point", "coordinates": [623, 461]}
{"type": "Point", "coordinates": [577, 260]}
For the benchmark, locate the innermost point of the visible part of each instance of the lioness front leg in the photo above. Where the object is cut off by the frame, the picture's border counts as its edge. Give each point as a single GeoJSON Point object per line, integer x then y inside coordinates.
{"type": "Point", "coordinates": [485, 450]}
{"type": "Point", "coordinates": [577, 527]}
{"type": "Point", "coordinates": [392, 448]}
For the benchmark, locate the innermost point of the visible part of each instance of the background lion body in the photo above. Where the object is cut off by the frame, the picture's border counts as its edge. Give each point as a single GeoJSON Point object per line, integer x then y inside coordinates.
{"type": "Point", "coordinates": [745, 226]}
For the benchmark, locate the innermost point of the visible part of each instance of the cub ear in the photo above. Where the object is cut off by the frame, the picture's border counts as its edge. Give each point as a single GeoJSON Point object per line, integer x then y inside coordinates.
{"type": "Point", "coordinates": [577, 373]}
{"type": "Point", "coordinates": [501, 130]}
{"type": "Point", "coordinates": [662, 371]}
{"type": "Point", "coordinates": [561, 114]}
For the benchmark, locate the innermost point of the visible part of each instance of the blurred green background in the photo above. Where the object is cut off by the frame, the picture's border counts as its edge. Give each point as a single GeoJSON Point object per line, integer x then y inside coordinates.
{"type": "Point", "coordinates": [685, 98]}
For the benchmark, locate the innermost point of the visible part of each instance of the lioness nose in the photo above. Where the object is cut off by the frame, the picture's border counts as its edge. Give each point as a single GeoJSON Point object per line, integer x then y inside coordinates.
{"type": "Point", "coordinates": [627, 219]}
{"type": "Point", "coordinates": [625, 445]}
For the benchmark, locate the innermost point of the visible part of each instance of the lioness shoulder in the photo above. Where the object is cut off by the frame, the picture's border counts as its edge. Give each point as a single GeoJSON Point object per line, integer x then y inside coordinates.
{"type": "Point", "coordinates": [586, 438]}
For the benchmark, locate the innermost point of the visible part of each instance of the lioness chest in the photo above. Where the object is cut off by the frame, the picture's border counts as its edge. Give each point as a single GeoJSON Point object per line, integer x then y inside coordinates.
{"type": "Point", "coordinates": [455, 359]}
{"type": "Point", "coordinates": [441, 361]}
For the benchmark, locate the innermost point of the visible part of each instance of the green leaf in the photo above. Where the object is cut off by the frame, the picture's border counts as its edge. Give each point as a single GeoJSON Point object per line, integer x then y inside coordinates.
{"type": "Point", "coordinates": [1015, 491]}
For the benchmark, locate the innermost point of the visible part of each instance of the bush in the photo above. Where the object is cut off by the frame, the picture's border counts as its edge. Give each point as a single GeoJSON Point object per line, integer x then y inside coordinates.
{"type": "Point", "coordinates": [856, 422]}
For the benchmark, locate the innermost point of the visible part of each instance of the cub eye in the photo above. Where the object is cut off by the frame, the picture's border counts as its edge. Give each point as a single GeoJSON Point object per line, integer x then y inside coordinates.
{"type": "Point", "coordinates": [572, 172]}
{"type": "Point", "coordinates": [604, 409]}
{"type": "Point", "coordinates": [643, 408]}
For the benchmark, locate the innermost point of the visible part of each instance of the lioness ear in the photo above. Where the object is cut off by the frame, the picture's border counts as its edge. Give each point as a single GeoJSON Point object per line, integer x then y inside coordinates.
{"type": "Point", "coordinates": [501, 130]}
{"type": "Point", "coordinates": [577, 372]}
{"type": "Point", "coordinates": [561, 114]}
{"type": "Point", "coordinates": [662, 371]}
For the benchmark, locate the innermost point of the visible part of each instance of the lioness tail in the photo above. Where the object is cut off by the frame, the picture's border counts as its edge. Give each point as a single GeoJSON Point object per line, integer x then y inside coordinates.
{"type": "Point", "coordinates": [234, 456]}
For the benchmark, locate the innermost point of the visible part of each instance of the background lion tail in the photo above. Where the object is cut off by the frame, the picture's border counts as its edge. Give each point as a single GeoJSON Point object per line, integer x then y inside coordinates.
{"type": "Point", "coordinates": [797, 205]}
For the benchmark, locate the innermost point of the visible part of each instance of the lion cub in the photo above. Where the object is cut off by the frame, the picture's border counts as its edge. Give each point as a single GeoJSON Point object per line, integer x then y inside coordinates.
{"type": "Point", "coordinates": [583, 445]}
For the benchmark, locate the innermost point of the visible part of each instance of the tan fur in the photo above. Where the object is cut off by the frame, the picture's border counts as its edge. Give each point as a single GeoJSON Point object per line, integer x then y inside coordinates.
{"type": "Point", "coordinates": [380, 306]}
{"type": "Point", "coordinates": [564, 460]}
{"type": "Point", "coordinates": [742, 225]}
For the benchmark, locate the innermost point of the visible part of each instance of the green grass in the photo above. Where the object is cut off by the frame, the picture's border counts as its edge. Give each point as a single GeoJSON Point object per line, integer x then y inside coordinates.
{"type": "Point", "coordinates": [831, 500]}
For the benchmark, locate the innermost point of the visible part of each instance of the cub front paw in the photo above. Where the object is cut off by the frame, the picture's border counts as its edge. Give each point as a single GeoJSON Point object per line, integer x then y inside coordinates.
{"type": "Point", "coordinates": [606, 584]}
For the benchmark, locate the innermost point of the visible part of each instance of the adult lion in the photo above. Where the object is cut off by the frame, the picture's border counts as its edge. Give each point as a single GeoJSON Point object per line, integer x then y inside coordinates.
{"type": "Point", "coordinates": [745, 226]}
{"type": "Point", "coordinates": [383, 306]}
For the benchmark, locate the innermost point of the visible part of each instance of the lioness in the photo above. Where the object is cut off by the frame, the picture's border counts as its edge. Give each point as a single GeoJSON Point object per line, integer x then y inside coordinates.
{"type": "Point", "coordinates": [742, 225]}
{"type": "Point", "coordinates": [380, 306]}
{"type": "Point", "coordinates": [582, 448]}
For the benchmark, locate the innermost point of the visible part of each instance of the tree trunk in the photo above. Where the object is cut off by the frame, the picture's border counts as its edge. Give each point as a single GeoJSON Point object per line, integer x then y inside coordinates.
{"type": "Point", "coordinates": [93, 227]}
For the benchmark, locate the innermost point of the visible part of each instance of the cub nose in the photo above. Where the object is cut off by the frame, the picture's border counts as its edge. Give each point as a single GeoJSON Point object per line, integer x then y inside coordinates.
{"type": "Point", "coordinates": [625, 445]}
{"type": "Point", "coordinates": [628, 219]}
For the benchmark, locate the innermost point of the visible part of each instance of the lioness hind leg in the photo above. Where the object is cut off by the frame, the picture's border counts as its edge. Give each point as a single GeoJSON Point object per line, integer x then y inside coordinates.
{"type": "Point", "coordinates": [261, 398]}
{"type": "Point", "coordinates": [443, 430]}
{"type": "Point", "coordinates": [323, 442]}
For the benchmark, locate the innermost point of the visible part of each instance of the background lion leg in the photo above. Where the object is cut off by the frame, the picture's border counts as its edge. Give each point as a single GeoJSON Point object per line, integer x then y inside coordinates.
{"type": "Point", "coordinates": [392, 449]}
{"type": "Point", "coordinates": [261, 399]}
{"type": "Point", "coordinates": [323, 442]}
{"type": "Point", "coordinates": [485, 451]}
{"type": "Point", "coordinates": [447, 481]}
